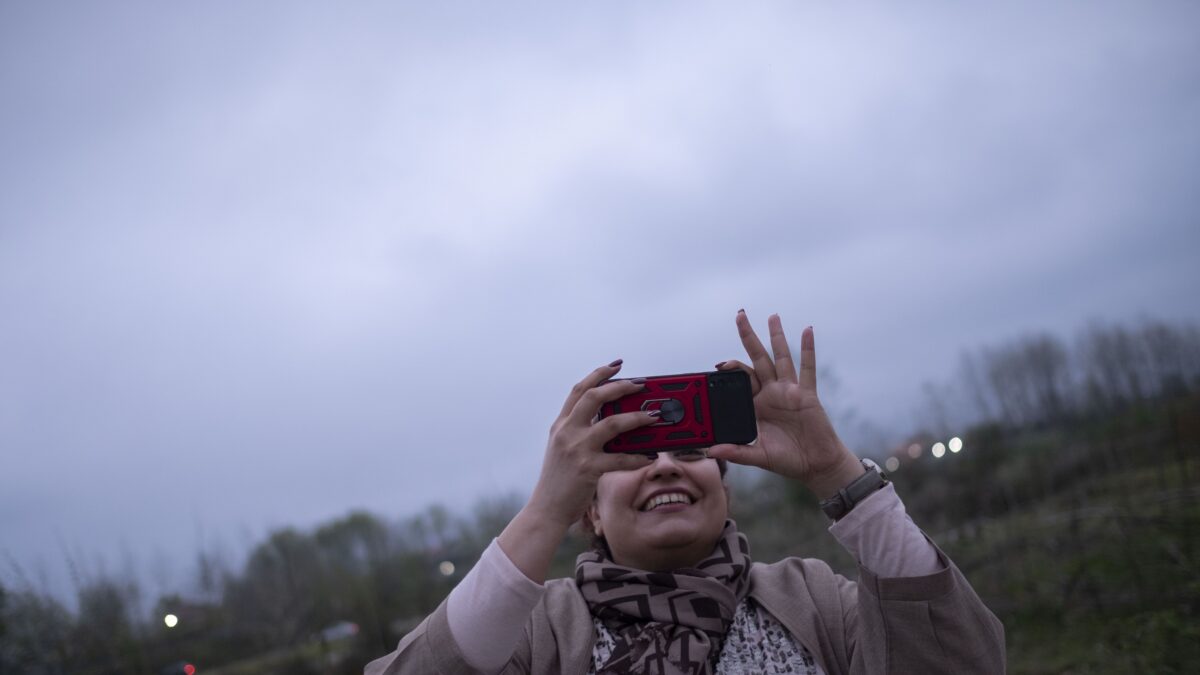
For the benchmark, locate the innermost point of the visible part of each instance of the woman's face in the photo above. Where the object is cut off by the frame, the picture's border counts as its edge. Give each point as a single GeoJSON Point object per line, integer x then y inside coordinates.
{"type": "Point", "coordinates": [664, 516]}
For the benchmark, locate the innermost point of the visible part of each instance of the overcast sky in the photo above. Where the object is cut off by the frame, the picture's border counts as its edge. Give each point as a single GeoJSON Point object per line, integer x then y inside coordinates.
{"type": "Point", "coordinates": [262, 265]}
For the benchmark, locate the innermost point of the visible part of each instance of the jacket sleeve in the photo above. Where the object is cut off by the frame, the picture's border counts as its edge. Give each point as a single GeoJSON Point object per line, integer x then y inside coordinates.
{"type": "Point", "coordinates": [481, 627]}
{"type": "Point", "coordinates": [428, 648]}
{"type": "Point", "coordinates": [926, 624]}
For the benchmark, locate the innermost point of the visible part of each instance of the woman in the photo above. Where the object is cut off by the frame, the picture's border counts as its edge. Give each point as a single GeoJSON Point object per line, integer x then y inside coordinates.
{"type": "Point", "coordinates": [670, 587]}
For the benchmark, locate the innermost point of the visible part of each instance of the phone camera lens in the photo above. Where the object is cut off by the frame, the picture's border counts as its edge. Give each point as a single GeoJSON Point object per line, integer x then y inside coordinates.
{"type": "Point", "coordinates": [672, 411]}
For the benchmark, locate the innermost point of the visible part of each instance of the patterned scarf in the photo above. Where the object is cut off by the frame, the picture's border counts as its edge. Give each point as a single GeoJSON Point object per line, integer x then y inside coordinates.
{"type": "Point", "coordinates": [667, 623]}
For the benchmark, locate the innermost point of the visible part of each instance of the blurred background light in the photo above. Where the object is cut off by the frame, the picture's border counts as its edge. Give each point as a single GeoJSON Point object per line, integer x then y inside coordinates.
{"type": "Point", "coordinates": [955, 444]}
{"type": "Point", "coordinates": [446, 568]}
{"type": "Point", "coordinates": [171, 620]}
{"type": "Point", "coordinates": [914, 450]}
{"type": "Point", "coordinates": [892, 463]}
{"type": "Point", "coordinates": [939, 449]}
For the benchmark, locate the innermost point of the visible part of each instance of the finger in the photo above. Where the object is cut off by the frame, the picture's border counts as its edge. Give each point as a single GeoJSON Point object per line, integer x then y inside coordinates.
{"type": "Point", "coordinates": [754, 349]}
{"type": "Point", "coordinates": [732, 364]}
{"type": "Point", "coordinates": [808, 360]}
{"type": "Point", "coordinates": [593, 379]}
{"type": "Point", "coordinates": [784, 368]}
{"type": "Point", "coordinates": [749, 455]}
{"type": "Point", "coordinates": [610, 427]}
{"type": "Point", "coordinates": [589, 403]}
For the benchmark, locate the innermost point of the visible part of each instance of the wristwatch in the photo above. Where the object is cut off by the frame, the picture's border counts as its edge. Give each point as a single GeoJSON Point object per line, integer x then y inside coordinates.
{"type": "Point", "coordinates": [859, 489]}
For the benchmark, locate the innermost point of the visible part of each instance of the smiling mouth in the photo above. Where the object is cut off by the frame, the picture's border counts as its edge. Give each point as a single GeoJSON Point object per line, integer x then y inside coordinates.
{"type": "Point", "coordinates": [667, 499]}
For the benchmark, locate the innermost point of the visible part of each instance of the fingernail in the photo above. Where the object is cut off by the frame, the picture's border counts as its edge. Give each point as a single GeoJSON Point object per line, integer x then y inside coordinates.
{"type": "Point", "coordinates": [616, 363]}
{"type": "Point", "coordinates": [638, 380]}
{"type": "Point", "coordinates": [741, 311]}
{"type": "Point", "coordinates": [654, 413]}
{"type": "Point", "coordinates": [718, 366]}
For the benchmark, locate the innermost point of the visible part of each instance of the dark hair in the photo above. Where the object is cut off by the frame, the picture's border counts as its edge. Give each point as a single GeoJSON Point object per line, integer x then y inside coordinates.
{"type": "Point", "coordinates": [599, 543]}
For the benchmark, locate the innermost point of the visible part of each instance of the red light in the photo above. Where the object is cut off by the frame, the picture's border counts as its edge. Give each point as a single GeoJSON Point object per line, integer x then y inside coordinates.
{"type": "Point", "coordinates": [189, 669]}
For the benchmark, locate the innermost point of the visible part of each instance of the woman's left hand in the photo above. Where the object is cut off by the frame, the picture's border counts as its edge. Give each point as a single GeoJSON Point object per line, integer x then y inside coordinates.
{"type": "Point", "coordinates": [795, 436]}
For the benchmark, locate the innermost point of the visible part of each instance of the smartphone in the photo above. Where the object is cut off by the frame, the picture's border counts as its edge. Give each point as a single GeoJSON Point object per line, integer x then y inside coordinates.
{"type": "Point", "coordinates": [697, 410]}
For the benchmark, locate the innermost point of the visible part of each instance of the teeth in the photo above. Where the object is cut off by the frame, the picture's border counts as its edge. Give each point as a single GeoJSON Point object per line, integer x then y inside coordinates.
{"type": "Point", "coordinates": [667, 498]}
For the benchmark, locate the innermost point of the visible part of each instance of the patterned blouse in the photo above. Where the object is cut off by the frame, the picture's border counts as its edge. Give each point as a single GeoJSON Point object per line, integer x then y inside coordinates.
{"type": "Point", "coordinates": [755, 643]}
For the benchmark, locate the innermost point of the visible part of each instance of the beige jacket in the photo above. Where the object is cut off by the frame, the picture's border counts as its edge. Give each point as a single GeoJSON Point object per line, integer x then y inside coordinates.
{"type": "Point", "coordinates": [930, 624]}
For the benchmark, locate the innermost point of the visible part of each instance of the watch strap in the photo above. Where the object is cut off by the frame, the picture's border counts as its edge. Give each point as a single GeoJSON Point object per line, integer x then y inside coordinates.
{"type": "Point", "coordinates": [859, 489]}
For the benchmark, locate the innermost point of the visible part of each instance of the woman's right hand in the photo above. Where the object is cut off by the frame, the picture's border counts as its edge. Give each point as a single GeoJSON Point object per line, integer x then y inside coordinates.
{"type": "Point", "coordinates": [575, 457]}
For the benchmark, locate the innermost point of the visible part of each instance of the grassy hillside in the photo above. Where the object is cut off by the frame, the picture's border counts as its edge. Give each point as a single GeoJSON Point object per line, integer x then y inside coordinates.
{"type": "Point", "coordinates": [1081, 535]}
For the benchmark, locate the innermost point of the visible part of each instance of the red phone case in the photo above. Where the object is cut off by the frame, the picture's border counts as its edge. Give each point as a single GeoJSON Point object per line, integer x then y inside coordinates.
{"type": "Point", "coordinates": [686, 418]}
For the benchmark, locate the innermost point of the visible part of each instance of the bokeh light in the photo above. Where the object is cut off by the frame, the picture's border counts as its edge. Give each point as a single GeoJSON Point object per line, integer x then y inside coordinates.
{"type": "Point", "coordinates": [939, 449]}
{"type": "Point", "coordinates": [892, 463]}
{"type": "Point", "coordinates": [446, 568]}
{"type": "Point", "coordinates": [171, 620]}
{"type": "Point", "coordinates": [955, 444]}
{"type": "Point", "coordinates": [914, 450]}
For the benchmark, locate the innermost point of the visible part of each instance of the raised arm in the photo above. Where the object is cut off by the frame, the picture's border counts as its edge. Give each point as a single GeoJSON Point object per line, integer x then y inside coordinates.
{"type": "Point", "coordinates": [912, 609]}
{"type": "Point", "coordinates": [480, 624]}
{"type": "Point", "coordinates": [574, 462]}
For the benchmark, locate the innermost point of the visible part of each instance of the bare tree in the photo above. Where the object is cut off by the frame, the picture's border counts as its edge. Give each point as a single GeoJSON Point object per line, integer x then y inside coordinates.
{"type": "Point", "coordinates": [1172, 355]}
{"type": "Point", "coordinates": [1003, 367]}
{"type": "Point", "coordinates": [1046, 367]}
{"type": "Point", "coordinates": [973, 382]}
{"type": "Point", "coordinates": [1111, 365]}
{"type": "Point", "coordinates": [934, 399]}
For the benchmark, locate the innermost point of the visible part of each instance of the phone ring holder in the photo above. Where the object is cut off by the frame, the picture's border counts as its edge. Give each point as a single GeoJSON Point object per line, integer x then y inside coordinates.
{"type": "Point", "coordinates": [671, 410]}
